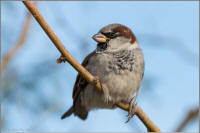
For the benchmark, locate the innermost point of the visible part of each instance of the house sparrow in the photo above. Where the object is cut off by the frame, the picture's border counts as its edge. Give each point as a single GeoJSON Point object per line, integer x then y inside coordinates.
{"type": "Point", "coordinates": [118, 62]}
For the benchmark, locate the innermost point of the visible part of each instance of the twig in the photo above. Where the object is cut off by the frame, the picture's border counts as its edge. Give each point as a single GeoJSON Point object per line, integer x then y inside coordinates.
{"type": "Point", "coordinates": [83, 72]}
{"type": "Point", "coordinates": [19, 43]}
{"type": "Point", "coordinates": [191, 115]}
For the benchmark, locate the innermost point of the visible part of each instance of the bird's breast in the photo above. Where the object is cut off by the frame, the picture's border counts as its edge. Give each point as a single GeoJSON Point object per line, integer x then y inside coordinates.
{"type": "Point", "coordinates": [120, 72]}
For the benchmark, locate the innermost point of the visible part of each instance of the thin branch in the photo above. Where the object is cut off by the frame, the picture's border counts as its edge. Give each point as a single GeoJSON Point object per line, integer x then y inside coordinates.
{"type": "Point", "coordinates": [10, 54]}
{"type": "Point", "coordinates": [191, 115]}
{"type": "Point", "coordinates": [83, 72]}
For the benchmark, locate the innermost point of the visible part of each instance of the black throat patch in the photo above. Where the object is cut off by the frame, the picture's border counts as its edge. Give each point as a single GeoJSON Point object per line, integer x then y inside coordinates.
{"type": "Point", "coordinates": [101, 47]}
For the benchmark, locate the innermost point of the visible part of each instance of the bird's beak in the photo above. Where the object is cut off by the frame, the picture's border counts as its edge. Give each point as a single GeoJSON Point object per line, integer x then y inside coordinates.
{"type": "Point", "coordinates": [100, 38]}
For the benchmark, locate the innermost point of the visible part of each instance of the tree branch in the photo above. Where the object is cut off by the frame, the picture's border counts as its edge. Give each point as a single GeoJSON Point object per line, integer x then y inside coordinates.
{"type": "Point", "coordinates": [191, 115]}
{"type": "Point", "coordinates": [19, 43]}
{"type": "Point", "coordinates": [83, 72]}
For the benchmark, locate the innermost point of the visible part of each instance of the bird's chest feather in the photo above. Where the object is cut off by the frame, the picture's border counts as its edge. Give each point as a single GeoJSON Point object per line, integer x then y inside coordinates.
{"type": "Point", "coordinates": [117, 63]}
{"type": "Point", "coordinates": [119, 72]}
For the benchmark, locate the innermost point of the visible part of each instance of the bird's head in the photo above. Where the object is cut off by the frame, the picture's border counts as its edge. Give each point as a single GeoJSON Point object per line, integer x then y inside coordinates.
{"type": "Point", "coordinates": [114, 37]}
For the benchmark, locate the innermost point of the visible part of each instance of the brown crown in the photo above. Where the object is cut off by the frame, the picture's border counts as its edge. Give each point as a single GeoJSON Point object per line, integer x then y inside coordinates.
{"type": "Point", "coordinates": [126, 32]}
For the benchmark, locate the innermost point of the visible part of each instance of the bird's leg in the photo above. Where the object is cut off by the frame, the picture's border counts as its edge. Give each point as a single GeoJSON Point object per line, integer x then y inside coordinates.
{"type": "Point", "coordinates": [61, 59]}
{"type": "Point", "coordinates": [106, 93]}
{"type": "Point", "coordinates": [104, 88]}
{"type": "Point", "coordinates": [132, 109]}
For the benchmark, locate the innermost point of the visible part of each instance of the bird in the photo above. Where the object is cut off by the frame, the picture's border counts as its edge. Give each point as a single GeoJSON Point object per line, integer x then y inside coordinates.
{"type": "Point", "coordinates": [118, 62]}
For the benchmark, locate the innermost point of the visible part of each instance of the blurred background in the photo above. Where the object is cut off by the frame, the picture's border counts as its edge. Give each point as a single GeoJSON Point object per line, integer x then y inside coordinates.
{"type": "Point", "coordinates": [36, 91]}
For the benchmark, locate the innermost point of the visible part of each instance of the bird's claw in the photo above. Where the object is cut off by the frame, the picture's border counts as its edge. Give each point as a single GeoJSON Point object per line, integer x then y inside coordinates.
{"type": "Point", "coordinates": [132, 111]}
{"type": "Point", "coordinates": [96, 80]}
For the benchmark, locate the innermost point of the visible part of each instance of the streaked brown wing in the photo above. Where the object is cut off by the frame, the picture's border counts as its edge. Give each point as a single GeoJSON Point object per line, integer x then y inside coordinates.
{"type": "Point", "coordinates": [81, 83]}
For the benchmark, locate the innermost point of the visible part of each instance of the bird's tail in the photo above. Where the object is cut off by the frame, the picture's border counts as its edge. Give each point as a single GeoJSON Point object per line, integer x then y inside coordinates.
{"type": "Point", "coordinates": [81, 112]}
{"type": "Point", "coordinates": [68, 113]}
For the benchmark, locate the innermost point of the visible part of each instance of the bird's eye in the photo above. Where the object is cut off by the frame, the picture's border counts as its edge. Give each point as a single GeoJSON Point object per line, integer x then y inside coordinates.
{"type": "Point", "coordinates": [111, 35]}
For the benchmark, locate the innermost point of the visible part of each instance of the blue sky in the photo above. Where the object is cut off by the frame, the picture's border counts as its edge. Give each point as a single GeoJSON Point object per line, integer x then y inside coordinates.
{"type": "Point", "coordinates": [166, 31]}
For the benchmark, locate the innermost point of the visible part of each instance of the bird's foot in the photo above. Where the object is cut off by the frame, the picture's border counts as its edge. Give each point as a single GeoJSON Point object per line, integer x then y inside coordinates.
{"type": "Point", "coordinates": [61, 59]}
{"type": "Point", "coordinates": [96, 79]}
{"type": "Point", "coordinates": [132, 111]}
{"type": "Point", "coordinates": [104, 89]}
{"type": "Point", "coordinates": [106, 93]}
